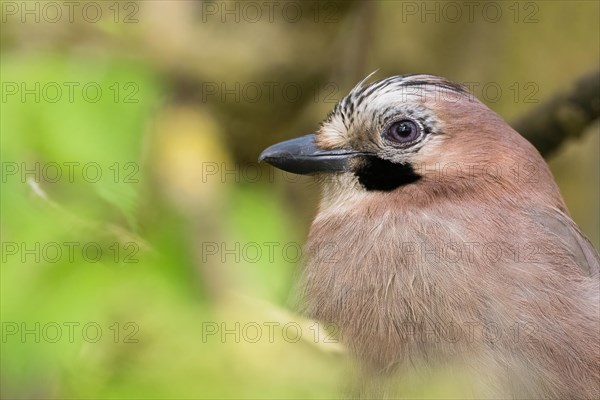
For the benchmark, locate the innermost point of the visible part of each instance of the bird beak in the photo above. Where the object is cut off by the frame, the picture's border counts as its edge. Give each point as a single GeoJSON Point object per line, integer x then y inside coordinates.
{"type": "Point", "coordinates": [302, 156]}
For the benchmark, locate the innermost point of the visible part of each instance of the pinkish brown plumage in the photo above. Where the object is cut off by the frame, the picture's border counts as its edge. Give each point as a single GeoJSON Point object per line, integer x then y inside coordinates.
{"type": "Point", "coordinates": [451, 244]}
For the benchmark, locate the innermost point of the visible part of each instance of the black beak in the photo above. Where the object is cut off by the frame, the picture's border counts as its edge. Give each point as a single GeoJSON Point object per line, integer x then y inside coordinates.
{"type": "Point", "coordinates": [302, 156]}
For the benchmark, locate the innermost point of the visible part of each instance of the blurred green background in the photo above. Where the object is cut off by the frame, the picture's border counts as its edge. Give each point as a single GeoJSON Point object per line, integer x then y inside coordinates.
{"type": "Point", "coordinates": [145, 253]}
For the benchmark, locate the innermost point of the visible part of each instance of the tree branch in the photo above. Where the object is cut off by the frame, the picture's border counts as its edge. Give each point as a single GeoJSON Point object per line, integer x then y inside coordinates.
{"type": "Point", "coordinates": [564, 116]}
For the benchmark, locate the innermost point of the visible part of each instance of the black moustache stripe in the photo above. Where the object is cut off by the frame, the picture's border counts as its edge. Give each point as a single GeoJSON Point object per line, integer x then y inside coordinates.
{"type": "Point", "coordinates": [375, 173]}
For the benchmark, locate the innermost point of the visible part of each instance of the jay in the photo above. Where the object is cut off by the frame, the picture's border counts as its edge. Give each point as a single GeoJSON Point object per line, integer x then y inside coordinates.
{"type": "Point", "coordinates": [442, 240]}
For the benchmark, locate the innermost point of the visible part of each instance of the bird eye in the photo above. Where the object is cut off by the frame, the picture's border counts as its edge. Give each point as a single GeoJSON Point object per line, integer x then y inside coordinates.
{"type": "Point", "coordinates": [404, 131]}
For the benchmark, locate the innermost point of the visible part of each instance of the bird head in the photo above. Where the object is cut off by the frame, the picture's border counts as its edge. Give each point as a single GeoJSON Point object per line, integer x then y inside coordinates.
{"type": "Point", "coordinates": [418, 136]}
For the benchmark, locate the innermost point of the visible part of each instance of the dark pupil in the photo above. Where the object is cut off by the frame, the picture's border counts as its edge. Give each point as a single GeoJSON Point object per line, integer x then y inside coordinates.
{"type": "Point", "coordinates": [404, 130]}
